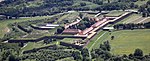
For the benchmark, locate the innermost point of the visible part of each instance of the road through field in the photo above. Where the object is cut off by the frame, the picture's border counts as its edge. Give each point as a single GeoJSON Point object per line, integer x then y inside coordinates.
{"type": "Point", "coordinates": [97, 40]}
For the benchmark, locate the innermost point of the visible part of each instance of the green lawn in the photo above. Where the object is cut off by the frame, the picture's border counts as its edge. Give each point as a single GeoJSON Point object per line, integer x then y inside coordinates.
{"type": "Point", "coordinates": [115, 13]}
{"type": "Point", "coordinates": [126, 41]}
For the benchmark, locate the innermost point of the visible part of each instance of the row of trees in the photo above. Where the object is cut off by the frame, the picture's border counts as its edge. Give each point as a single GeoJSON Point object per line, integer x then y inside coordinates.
{"type": "Point", "coordinates": [85, 23]}
{"type": "Point", "coordinates": [132, 26]}
{"type": "Point", "coordinates": [51, 53]}
{"type": "Point", "coordinates": [49, 7]}
{"type": "Point", "coordinates": [103, 54]}
{"type": "Point", "coordinates": [145, 9]}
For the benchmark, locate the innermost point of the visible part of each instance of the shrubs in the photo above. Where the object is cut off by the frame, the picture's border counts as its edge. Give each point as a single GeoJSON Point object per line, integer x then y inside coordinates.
{"type": "Point", "coordinates": [51, 53]}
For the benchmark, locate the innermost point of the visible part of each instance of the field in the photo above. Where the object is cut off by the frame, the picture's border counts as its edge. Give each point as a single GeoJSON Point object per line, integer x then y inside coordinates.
{"type": "Point", "coordinates": [115, 13]}
{"type": "Point", "coordinates": [132, 18]}
{"type": "Point", "coordinates": [4, 23]}
{"type": "Point", "coordinates": [139, 3]}
{"type": "Point", "coordinates": [32, 45]}
{"type": "Point", "coordinates": [126, 41]}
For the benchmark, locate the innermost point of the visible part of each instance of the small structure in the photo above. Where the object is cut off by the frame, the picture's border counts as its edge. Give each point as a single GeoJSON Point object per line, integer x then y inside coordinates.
{"type": "Point", "coordinates": [2, 17]}
{"type": "Point", "coordinates": [45, 26]}
{"type": "Point", "coordinates": [108, 28]}
{"type": "Point", "coordinates": [52, 25]}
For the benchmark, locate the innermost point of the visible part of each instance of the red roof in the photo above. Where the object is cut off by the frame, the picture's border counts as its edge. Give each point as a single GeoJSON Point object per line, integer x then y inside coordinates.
{"type": "Point", "coordinates": [71, 31]}
{"type": "Point", "coordinates": [87, 30]}
{"type": "Point", "coordinates": [99, 23]}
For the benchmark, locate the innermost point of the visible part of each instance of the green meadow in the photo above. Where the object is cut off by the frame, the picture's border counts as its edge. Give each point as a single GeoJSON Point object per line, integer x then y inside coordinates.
{"type": "Point", "coordinates": [126, 41]}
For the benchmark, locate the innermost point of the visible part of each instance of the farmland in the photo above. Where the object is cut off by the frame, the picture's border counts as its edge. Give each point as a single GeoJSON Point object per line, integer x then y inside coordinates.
{"type": "Point", "coordinates": [127, 40]}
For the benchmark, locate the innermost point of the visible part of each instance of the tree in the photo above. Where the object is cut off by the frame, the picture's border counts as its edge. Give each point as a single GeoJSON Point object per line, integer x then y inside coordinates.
{"type": "Point", "coordinates": [138, 52]}
{"type": "Point", "coordinates": [144, 14]}
{"type": "Point", "coordinates": [80, 15]}
{"type": "Point", "coordinates": [112, 37]}
{"type": "Point", "coordinates": [12, 58]}
{"type": "Point", "coordinates": [21, 44]}
{"type": "Point", "coordinates": [107, 45]}
{"type": "Point", "coordinates": [76, 55]}
{"type": "Point", "coordinates": [82, 4]}
{"type": "Point", "coordinates": [60, 30]}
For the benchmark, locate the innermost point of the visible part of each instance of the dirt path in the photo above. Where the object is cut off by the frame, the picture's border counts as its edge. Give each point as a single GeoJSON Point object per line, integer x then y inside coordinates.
{"type": "Point", "coordinates": [97, 40]}
{"type": "Point", "coordinates": [143, 20]}
{"type": "Point", "coordinates": [6, 30]}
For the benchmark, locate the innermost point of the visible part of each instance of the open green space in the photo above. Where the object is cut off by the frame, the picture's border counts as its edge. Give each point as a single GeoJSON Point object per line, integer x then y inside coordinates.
{"type": "Point", "coordinates": [139, 3]}
{"type": "Point", "coordinates": [4, 23]}
{"type": "Point", "coordinates": [70, 40]}
{"type": "Point", "coordinates": [126, 41]}
{"type": "Point", "coordinates": [115, 13]}
{"type": "Point", "coordinates": [32, 45]}
{"type": "Point", "coordinates": [129, 19]}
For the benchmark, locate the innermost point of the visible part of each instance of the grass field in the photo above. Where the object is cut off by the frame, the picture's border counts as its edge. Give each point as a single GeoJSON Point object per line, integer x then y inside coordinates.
{"type": "Point", "coordinates": [115, 13]}
{"type": "Point", "coordinates": [130, 19]}
{"type": "Point", "coordinates": [126, 41]}
{"type": "Point", "coordinates": [139, 3]}
{"type": "Point", "coordinates": [63, 17]}
{"type": "Point", "coordinates": [4, 23]}
{"type": "Point", "coordinates": [32, 45]}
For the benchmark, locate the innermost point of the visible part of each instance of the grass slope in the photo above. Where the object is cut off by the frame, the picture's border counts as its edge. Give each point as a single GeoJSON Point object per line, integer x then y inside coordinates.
{"type": "Point", "coordinates": [126, 41]}
{"type": "Point", "coordinates": [129, 19]}
{"type": "Point", "coordinates": [97, 40]}
{"type": "Point", "coordinates": [115, 13]}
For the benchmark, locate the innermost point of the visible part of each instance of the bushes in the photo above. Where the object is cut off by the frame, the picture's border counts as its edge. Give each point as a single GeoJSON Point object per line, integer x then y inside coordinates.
{"type": "Point", "coordinates": [15, 33]}
{"type": "Point", "coordinates": [85, 23]}
{"type": "Point", "coordinates": [132, 26]}
{"type": "Point", "coordinates": [51, 53]}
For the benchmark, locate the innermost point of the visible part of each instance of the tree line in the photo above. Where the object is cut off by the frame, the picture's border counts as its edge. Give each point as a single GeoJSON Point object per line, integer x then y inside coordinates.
{"type": "Point", "coordinates": [50, 7]}
{"type": "Point", "coordinates": [132, 26]}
